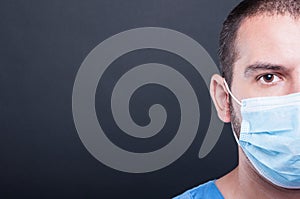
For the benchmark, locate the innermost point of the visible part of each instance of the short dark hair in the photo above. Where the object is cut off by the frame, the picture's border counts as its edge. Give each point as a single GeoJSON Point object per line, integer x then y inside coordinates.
{"type": "Point", "coordinates": [246, 9]}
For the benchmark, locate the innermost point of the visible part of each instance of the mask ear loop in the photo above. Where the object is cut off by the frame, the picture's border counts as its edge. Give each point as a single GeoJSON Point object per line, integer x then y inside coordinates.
{"type": "Point", "coordinates": [237, 101]}
{"type": "Point", "coordinates": [227, 88]}
{"type": "Point", "coordinates": [235, 136]}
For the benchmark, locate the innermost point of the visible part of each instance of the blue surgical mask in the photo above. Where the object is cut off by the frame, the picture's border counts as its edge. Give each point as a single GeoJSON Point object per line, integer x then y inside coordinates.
{"type": "Point", "coordinates": [270, 137]}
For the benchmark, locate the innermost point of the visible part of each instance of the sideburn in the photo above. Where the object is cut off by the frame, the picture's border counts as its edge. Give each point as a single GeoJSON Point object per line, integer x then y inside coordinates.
{"type": "Point", "coordinates": [235, 120]}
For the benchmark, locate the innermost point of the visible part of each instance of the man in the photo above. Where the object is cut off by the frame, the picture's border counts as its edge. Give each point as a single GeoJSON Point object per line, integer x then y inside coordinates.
{"type": "Point", "coordinates": [259, 93]}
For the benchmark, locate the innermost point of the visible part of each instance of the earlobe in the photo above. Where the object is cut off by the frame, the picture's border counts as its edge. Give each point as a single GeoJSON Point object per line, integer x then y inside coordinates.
{"type": "Point", "coordinates": [220, 97]}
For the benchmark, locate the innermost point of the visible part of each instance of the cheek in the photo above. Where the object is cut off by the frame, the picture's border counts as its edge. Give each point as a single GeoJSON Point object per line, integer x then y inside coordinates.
{"type": "Point", "coordinates": [235, 110]}
{"type": "Point", "coordinates": [236, 118]}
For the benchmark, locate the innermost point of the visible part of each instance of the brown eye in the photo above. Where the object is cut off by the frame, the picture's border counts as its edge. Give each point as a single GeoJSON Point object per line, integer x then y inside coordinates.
{"type": "Point", "coordinates": [268, 78]}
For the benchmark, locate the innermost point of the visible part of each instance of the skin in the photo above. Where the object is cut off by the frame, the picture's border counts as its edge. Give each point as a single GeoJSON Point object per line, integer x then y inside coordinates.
{"type": "Point", "coordinates": [268, 64]}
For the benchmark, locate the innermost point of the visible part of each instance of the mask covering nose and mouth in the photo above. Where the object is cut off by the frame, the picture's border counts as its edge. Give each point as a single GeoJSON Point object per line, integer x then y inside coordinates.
{"type": "Point", "coordinates": [270, 137]}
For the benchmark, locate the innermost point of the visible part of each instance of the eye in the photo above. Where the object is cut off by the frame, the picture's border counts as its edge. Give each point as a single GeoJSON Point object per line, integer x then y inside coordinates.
{"type": "Point", "coordinates": [269, 79]}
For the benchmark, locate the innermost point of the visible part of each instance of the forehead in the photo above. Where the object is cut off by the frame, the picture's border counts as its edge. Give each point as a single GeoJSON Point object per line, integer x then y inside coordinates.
{"type": "Point", "coordinates": [273, 39]}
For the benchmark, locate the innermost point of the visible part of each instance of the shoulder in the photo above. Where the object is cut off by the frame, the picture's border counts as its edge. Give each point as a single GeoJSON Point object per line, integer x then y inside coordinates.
{"type": "Point", "coordinates": [204, 191]}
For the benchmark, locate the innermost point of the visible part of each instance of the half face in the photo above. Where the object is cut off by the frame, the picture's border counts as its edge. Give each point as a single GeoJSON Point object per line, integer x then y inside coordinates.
{"type": "Point", "coordinates": [268, 64]}
{"type": "Point", "coordinates": [268, 61]}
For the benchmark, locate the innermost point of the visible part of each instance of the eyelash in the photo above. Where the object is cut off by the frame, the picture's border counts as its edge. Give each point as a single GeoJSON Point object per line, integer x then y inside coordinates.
{"type": "Point", "coordinates": [259, 78]}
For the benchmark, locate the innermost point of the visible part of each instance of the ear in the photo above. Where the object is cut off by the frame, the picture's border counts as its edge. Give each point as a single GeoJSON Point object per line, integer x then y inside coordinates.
{"type": "Point", "coordinates": [220, 97]}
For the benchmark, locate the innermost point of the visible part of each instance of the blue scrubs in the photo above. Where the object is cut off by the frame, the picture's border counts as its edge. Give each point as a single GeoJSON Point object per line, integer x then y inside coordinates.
{"type": "Point", "coordinates": [208, 190]}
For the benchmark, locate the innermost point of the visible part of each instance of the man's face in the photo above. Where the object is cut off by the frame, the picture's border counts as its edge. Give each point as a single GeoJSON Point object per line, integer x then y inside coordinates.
{"type": "Point", "coordinates": [268, 62]}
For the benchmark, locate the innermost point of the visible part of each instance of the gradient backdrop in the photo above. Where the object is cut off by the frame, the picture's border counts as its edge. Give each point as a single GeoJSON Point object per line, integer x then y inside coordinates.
{"type": "Point", "coordinates": [43, 44]}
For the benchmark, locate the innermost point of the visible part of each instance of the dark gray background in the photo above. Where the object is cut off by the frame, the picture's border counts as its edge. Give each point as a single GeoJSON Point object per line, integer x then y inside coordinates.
{"type": "Point", "coordinates": [43, 44]}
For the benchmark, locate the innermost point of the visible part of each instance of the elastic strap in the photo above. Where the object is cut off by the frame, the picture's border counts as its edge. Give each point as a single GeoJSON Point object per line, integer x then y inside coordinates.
{"type": "Point", "coordinates": [235, 136]}
{"type": "Point", "coordinates": [227, 88]}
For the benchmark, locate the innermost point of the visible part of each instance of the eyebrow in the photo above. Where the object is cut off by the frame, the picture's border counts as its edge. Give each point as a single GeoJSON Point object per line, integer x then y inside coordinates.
{"type": "Point", "coordinates": [260, 66]}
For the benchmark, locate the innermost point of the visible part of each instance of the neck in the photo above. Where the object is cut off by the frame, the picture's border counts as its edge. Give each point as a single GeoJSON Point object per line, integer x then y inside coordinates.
{"type": "Point", "coordinates": [244, 182]}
